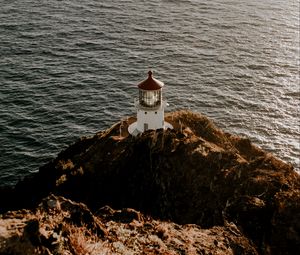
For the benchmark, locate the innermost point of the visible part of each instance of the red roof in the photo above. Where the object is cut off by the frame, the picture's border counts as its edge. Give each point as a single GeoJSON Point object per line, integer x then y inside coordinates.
{"type": "Point", "coordinates": [150, 83]}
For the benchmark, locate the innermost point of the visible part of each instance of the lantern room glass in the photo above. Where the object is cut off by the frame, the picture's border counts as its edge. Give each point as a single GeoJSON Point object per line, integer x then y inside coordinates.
{"type": "Point", "coordinates": [150, 98]}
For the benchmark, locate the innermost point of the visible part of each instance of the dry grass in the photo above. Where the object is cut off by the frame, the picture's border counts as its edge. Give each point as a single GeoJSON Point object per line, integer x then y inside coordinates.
{"type": "Point", "coordinates": [198, 124]}
{"type": "Point", "coordinates": [81, 241]}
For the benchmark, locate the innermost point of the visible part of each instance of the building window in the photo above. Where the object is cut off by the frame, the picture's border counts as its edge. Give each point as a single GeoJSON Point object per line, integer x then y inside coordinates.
{"type": "Point", "coordinates": [155, 112]}
{"type": "Point", "coordinates": [150, 98]}
{"type": "Point", "coordinates": [145, 112]}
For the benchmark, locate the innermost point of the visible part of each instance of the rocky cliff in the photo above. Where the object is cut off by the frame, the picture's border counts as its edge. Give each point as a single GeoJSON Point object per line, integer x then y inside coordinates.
{"type": "Point", "coordinates": [194, 174]}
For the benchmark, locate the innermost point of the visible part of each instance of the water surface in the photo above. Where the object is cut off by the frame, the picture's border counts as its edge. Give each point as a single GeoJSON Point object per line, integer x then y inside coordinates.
{"type": "Point", "coordinates": [69, 69]}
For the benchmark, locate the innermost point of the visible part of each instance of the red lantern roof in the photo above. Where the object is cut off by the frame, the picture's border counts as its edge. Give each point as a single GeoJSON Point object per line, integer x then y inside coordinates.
{"type": "Point", "coordinates": [150, 83]}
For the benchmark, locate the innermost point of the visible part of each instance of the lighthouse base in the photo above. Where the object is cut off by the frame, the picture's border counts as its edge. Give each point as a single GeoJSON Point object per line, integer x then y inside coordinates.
{"type": "Point", "coordinates": [133, 130]}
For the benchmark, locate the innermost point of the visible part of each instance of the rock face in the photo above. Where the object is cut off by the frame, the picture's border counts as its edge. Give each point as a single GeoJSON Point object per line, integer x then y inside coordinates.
{"type": "Point", "coordinates": [60, 226]}
{"type": "Point", "coordinates": [194, 174]}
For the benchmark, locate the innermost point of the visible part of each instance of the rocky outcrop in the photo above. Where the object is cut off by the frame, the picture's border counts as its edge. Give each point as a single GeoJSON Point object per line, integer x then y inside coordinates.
{"type": "Point", "coordinates": [60, 226]}
{"type": "Point", "coordinates": [194, 174]}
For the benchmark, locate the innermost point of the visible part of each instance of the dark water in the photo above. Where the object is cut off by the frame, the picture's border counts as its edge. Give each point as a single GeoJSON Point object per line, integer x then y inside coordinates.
{"type": "Point", "coordinates": [69, 68]}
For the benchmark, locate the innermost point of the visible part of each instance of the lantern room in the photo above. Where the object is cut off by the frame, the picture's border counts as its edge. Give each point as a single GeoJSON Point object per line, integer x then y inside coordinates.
{"type": "Point", "coordinates": [150, 92]}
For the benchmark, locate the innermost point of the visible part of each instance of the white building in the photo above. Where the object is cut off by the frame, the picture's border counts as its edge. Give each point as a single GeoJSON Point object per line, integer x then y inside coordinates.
{"type": "Point", "coordinates": [150, 107]}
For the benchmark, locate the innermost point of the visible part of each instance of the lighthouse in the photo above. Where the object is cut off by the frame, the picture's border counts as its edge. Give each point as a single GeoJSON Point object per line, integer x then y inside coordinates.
{"type": "Point", "coordinates": [150, 107]}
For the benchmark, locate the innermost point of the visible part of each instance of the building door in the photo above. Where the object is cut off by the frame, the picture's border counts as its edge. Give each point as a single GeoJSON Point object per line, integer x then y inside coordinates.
{"type": "Point", "coordinates": [145, 126]}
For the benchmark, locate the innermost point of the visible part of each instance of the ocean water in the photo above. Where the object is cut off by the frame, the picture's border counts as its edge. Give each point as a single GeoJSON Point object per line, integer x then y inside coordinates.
{"type": "Point", "coordinates": [70, 68]}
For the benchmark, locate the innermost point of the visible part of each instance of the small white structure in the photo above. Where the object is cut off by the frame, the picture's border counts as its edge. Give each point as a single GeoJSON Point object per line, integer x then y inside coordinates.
{"type": "Point", "coordinates": [150, 107]}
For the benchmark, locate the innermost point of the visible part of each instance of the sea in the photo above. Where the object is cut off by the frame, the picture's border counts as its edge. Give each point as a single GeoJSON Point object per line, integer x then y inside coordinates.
{"type": "Point", "coordinates": [69, 68]}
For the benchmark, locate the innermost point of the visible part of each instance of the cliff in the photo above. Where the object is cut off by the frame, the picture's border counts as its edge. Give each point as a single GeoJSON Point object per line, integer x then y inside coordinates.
{"type": "Point", "coordinates": [194, 174]}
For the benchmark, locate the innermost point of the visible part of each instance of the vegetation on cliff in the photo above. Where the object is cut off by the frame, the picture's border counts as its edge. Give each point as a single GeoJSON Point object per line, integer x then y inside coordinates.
{"type": "Point", "coordinates": [60, 226]}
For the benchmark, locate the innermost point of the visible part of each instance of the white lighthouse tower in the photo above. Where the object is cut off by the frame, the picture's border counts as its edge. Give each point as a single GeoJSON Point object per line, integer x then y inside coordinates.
{"type": "Point", "coordinates": [150, 107]}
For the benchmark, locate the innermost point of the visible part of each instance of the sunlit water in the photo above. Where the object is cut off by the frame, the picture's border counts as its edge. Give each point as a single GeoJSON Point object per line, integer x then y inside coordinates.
{"type": "Point", "coordinates": [70, 68]}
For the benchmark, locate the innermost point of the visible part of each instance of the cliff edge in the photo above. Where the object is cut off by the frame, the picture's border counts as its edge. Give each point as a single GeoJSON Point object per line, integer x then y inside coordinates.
{"type": "Point", "coordinates": [193, 174]}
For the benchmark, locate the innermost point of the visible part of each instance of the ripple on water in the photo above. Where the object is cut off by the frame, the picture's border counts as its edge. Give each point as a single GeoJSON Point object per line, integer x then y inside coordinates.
{"type": "Point", "coordinates": [68, 72]}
